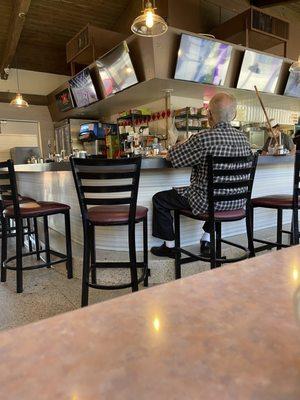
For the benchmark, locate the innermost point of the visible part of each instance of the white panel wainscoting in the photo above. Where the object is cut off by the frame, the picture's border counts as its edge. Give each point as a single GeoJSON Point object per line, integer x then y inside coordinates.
{"type": "Point", "coordinates": [58, 186]}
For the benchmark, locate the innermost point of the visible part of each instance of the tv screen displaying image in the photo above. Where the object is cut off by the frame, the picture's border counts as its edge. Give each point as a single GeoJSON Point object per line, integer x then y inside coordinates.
{"type": "Point", "coordinates": [83, 89]}
{"type": "Point", "coordinates": [261, 70]}
{"type": "Point", "coordinates": [116, 70]}
{"type": "Point", "coordinates": [202, 60]}
{"type": "Point", "coordinates": [64, 100]}
{"type": "Point", "coordinates": [293, 85]}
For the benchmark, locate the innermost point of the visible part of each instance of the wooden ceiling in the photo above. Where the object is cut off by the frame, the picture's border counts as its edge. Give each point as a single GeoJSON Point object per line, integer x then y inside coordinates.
{"type": "Point", "coordinates": [50, 24]}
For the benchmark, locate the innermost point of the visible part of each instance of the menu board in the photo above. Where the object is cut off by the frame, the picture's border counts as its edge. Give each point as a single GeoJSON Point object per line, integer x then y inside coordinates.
{"type": "Point", "coordinates": [202, 60]}
{"type": "Point", "coordinates": [259, 70]}
{"type": "Point", "coordinates": [293, 85]}
{"type": "Point", "coordinates": [83, 89]}
{"type": "Point", "coordinates": [116, 70]}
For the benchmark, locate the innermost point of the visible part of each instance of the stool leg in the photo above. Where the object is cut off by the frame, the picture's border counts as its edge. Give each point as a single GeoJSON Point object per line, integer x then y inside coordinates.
{"type": "Point", "coordinates": [132, 256]}
{"type": "Point", "coordinates": [218, 243]}
{"type": "Point", "coordinates": [4, 227]}
{"type": "Point", "coordinates": [93, 255]}
{"type": "Point", "coordinates": [47, 243]}
{"type": "Point", "coordinates": [28, 234]}
{"type": "Point", "coordinates": [145, 249]}
{"type": "Point", "coordinates": [69, 263]}
{"type": "Point", "coordinates": [295, 228]}
{"type": "Point", "coordinates": [212, 245]}
{"type": "Point", "coordinates": [36, 238]}
{"type": "Point", "coordinates": [249, 228]}
{"type": "Point", "coordinates": [279, 228]}
{"type": "Point", "coordinates": [19, 265]}
{"type": "Point", "coordinates": [85, 268]}
{"type": "Point", "coordinates": [23, 235]}
{"type": "Point", "coordinates": [177, 245]}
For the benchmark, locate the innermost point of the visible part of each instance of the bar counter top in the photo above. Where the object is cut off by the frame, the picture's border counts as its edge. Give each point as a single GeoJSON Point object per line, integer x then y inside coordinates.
{"type": "Point", "coordinates": [230, 333]}
{"type": "Point", "coordinates": [147, 164]}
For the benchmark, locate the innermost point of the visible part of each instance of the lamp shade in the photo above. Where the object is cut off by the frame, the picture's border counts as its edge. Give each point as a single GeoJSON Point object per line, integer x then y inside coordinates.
{"type": "Point", "coordinates": [149, 24]}
{"type": "Point", "coordinates": [19, 102]}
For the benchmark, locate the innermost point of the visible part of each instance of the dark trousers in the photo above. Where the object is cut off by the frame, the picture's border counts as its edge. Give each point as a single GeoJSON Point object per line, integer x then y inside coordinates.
{"type": "Point", "coordinates": [163, 204]}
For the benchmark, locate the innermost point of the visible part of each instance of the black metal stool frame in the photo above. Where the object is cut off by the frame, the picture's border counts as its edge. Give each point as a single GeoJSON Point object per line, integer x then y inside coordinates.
{"type": "Point", "coordinates": [18, 218]}
{"type": "Point", "coordinates": [90, 264]}
{"type": "Point", "coordinates": [245, 184]}
{"type": "Point", "coordinates": [294, 232]}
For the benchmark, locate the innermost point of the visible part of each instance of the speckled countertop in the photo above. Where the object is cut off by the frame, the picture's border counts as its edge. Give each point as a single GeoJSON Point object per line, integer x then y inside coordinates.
{"type": "Point", "coordinates": [231, 333]}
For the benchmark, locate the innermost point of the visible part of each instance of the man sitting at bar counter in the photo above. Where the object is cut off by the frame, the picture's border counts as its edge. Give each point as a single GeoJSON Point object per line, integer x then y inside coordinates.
{"type": "Point", "coordinates": [272, 141]}
{"type": "Point", "coordinates": [220, 140]}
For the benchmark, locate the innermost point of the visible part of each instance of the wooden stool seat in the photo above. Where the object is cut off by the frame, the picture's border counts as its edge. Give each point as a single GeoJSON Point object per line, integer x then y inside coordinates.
{"type": "Point", "coordinates": [220, 216]}
{"type": "Point", "coordinates": [111, 215]}
{"type": "Point", "coordinates": [274, 201]}
{"type": "Point", "coordinates": [36, 209]}
{"type": "Point", "coordinates": [22, 199]}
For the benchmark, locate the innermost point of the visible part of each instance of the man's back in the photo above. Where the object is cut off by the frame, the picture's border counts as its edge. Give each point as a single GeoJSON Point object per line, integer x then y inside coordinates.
{"type": "Point", "coordinates": [222, 140]}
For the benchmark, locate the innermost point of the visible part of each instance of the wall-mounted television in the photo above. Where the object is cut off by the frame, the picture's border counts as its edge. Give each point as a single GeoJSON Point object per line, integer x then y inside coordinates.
{"type": "Point", "coordinates": [83, 89]}
{"type": "Point", "coordinates": [116, 71]}
{"type": "Point", "coordinates": [261, 70]}
{"type": "Point", "coordinates": [293, 85]}
{"type": "Point", "coordinates": [202, 60]}
{"type": "Point", "coordinates": [64, 100]}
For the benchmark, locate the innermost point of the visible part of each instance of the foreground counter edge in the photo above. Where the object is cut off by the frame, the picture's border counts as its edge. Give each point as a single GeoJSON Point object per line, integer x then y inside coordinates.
{"type": "Point", "coordinates": [147, 164]}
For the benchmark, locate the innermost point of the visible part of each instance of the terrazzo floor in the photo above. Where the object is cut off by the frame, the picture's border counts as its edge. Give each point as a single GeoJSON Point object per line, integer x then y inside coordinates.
{"type": "Point", "coordinates": [48, 292]}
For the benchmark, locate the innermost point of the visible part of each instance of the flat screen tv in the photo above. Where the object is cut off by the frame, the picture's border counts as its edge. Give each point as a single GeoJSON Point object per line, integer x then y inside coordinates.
{"type": "Point", "coordinates": [293, 85]}
{"type": "Point", "coordinates": [64, 100]}
{"type": "Point", "coordinates": [116, 71]}
{"type": "Point", "coordinates": [202, 60]}
{"type": "Point", "coordinates": [261, 70]}
{"type": "Point", "coordinates": [83, 89]}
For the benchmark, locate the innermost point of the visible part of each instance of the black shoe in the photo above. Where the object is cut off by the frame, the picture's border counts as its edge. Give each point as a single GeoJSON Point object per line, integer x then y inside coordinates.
{"type": "Point", "coordinates": [204, 248]}
{"type": "Point", "coordinates": [163, 251]}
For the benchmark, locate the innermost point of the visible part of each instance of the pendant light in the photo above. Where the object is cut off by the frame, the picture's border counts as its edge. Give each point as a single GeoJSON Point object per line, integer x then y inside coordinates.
{"type": "Point", "coordinates": [149, 24]}
{"type": "Point", "coordinates": [295, 67]}
{"type": "Point", "coordinates": [18, 101]}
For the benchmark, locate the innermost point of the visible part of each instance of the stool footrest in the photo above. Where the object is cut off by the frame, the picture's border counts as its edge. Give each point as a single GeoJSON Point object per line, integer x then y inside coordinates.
{"type": "Point", "coordinates": [267, 245]}
{"type": "Point", "coordinates": [62, 258]}
{"type": "Point", "coordinates": [122, 286]}
{"type": "Point", "coordinates": [107, 264]}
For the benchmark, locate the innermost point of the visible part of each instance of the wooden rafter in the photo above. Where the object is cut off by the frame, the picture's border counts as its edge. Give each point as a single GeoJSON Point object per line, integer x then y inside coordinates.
{"type": "Point", "coordinates": [269, 3]}
{"type": "Point", "coordinates": [17, 21]}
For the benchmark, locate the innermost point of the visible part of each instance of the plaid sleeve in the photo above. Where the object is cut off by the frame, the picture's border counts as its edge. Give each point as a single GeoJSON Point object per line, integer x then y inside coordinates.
{"type": "Point", "coordinates": [186, 154]}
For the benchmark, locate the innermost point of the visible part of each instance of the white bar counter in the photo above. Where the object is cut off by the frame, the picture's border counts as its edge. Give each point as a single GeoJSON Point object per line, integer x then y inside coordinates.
{"type": "Point", "coordinates": [54, 182]}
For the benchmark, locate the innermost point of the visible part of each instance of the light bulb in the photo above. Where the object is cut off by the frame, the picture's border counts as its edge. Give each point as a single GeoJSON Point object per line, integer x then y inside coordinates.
{"type": "Point", "coordinates": [149, 19]}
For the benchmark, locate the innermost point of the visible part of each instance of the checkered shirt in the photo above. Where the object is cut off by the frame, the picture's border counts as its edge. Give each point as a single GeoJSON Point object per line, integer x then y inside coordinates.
{"type": "Point", "coordinates": [222, 140]}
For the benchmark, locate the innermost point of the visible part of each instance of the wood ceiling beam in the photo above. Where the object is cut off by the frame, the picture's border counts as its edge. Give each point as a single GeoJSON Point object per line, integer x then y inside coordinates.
{"type": "Point", "coordinates": [17, 20]}
{"type": "Point", "coordinates": [269, 3]}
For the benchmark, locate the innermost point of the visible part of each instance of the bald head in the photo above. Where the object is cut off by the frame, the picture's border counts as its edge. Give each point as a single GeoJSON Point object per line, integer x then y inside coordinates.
{"type": "Point", "coordinates": [222, 108]}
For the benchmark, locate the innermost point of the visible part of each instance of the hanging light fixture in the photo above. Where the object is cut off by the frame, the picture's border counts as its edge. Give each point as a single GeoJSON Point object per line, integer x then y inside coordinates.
{"type": "Point", "coordinates": [18, 101]}
{"type": "Point", "coordinates": [149, 24]}
{"type": "Point", "coordinates": [295, 67]}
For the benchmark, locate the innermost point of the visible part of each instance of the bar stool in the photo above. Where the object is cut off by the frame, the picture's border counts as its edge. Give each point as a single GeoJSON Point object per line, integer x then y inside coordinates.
{"type": "Point", "coordinates": [28, 230]}
{"type": "Point", "coordinates": [20, 211]}
{"type": "Point", "coordinates": [281, 202]}
{"type": "Point", "coordinates": [105, 184]}
{"type": "Point", "coordinates": [224, 173]}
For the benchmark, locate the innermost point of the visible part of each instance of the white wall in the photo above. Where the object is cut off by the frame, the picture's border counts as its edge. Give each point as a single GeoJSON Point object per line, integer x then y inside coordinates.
{"type": "Point", "coordinates": [32, 82]}
{"type": "Point", "coordinates": [39, 114]}
{"type": "Point", "coordinates": [37, 83]}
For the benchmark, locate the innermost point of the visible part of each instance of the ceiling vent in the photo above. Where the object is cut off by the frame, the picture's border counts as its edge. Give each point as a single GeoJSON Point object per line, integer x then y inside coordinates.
{"type": "Point", "coordinates": [255, 29]}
